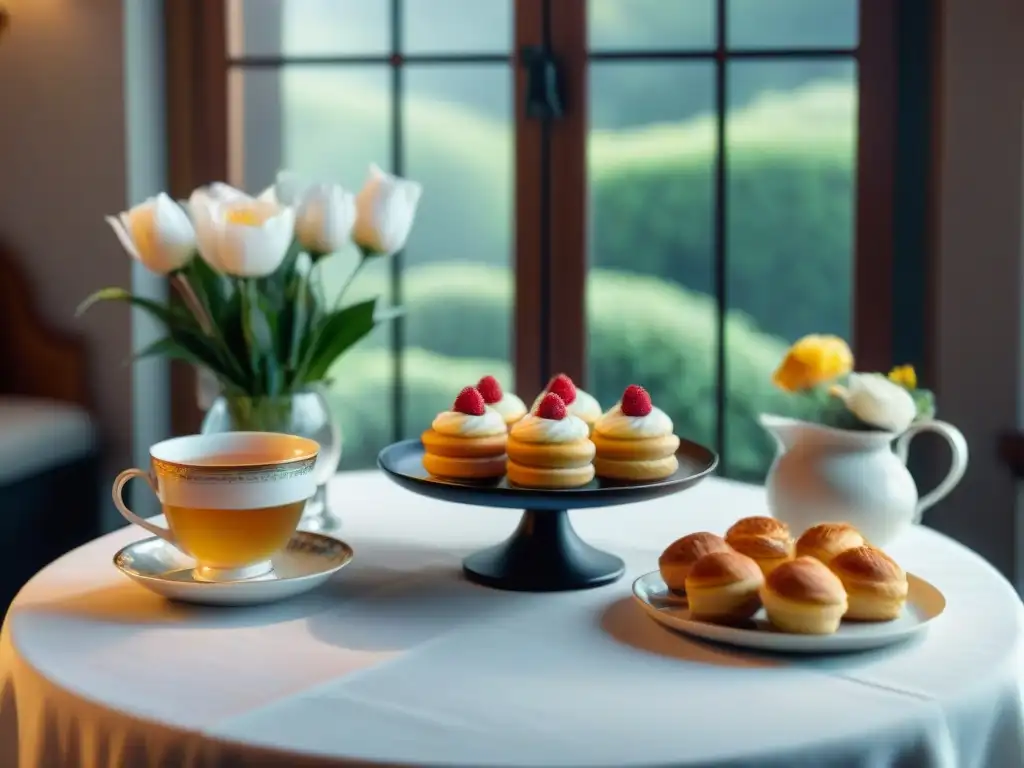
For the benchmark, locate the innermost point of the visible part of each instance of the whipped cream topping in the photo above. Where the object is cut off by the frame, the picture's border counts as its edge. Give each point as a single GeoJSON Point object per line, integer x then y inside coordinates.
{"type": "Point", "coordinates": [509, 407]}
{"type": "Point", "coordinates": [533, 429]}
{"type": "Point", "coordinates": [616, 424]}
{"type": "Point", "coordinates": [585, 406]}
{"type": "Point", "coordinates": [456, 424]}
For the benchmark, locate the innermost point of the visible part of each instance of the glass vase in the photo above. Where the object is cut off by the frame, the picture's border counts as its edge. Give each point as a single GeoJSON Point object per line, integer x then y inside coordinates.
{"type": "Point", "coordinates": [306, 414]}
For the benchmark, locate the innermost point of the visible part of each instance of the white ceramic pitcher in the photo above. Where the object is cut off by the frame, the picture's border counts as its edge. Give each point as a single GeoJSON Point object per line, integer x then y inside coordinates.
{"type": "Point", "coordinates": [824, 475]}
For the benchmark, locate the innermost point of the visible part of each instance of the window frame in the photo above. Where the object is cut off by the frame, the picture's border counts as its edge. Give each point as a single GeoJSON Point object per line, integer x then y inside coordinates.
{"type": "Point", "coordinates": [551, 178]}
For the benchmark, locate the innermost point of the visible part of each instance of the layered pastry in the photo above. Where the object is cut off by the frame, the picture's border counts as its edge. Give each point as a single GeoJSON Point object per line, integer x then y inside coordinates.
{"type": "Point", "coordinates": [467, 442]}
{"type": "Point", "coordinates": [826, 540]}
{"type": "Point", "coordinates": [724, 587]}
{"type": "Point", "coordinates": [550, 448]}
{"type": "Point", "coordinates": [580, 404]}
{"type": "Point", "coordinates": [876, 586]}
{"type": "Point", "coordinates": [763, 539]}
{"type": "Point", "coordinates": [678, 558]}
{"type": "Point", "coordinates": [510, 407]}
{"type": "Point", "coordinates": [634, 440]}
{"type": "Point", "coordinates": [804, 597]}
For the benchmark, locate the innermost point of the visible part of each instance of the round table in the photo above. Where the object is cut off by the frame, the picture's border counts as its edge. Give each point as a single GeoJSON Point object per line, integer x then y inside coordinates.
{"type": "Point", "coordinates": [400, 661]}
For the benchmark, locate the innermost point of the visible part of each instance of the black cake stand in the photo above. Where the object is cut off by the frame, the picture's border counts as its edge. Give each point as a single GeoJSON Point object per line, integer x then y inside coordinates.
{"type": "Point", "coordinates": [544, 554]}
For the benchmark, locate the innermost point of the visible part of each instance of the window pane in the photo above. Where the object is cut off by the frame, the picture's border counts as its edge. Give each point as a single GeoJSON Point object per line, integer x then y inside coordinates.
{"type": "Point", "coordinates": [457, 281]}
{"type": "Point", "coordinates": [309, 27]}
{"type": "Point", "coordinates": [618, 25]}
{"type": "Point", "coordinates": [336, 121]}
{"type": "Point", "coordinates": [457, 26]}
{"type": "Point", "coordinates": [651, 311]}
{"type": "Point", "coordinates": [792, 23]}
{"type": "Point", "coordinates": [791, 168]}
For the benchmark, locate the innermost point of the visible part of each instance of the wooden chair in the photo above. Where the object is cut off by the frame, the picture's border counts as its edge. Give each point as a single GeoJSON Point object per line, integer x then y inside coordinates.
{"type": "Point", "coordinates": [49, 452]}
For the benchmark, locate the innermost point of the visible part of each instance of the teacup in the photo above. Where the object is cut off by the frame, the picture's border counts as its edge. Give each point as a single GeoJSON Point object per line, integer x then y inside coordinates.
{"type": "Point", "coordinates": [231, 500]}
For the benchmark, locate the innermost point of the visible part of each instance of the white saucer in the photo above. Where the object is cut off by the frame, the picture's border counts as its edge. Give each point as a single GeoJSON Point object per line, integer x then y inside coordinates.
{"type": "Point", "coordinates": [307, 562]}
{"type": "Point", "coordinates": [924, 603]}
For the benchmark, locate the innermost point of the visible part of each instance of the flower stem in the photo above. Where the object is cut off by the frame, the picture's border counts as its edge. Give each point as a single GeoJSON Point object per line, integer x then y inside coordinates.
{"type": "Point", "coordinates": [188, 295]}
{"type": "Point", "coordinates": [348, 282]}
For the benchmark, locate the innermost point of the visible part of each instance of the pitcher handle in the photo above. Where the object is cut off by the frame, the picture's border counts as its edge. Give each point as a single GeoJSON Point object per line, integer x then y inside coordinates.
{"type": "Point", "coordinates": [119, 483]}
{"type": "Point", "coordinates": [958, 464]}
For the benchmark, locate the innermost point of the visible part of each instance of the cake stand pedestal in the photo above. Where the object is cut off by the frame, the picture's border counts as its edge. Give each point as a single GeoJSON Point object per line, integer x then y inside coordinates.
{"type": "Point", "coordinates": [544, 553]}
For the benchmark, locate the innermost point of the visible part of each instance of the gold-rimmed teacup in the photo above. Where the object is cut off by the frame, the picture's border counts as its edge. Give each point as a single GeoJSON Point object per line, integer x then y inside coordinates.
{"type": "Point", "coordinates": [231, 500]}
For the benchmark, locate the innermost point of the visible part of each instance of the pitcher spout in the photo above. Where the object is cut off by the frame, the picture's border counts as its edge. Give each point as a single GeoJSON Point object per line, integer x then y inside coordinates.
{"type": "Point", "coordinates": [786, 431]}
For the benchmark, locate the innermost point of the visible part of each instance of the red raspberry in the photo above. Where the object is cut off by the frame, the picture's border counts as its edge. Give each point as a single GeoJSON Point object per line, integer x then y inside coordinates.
{"type": "Point", "coordinates": [469, 402]}
{"type": "Point", "coordinates": [562, 386]}
{"type": "Point", "coordinates": [551, 407]}
{"type": "Point", "coordinates": [636, 401]}
{"type": "Point", "coordinates": [490, 389]}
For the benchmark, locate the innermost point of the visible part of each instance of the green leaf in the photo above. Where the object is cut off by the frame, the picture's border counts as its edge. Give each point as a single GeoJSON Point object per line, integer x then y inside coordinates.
{"type": "Point", "coordinates": [213, 289]}
{"type": "Point", "coordinates": [169, 316]}
{"type": "Point", "coordinates": [339, 331]}
{"type": "Point", "coordinates": [164, 347]}
{"type": "Point", "coordinates": [924, 399]}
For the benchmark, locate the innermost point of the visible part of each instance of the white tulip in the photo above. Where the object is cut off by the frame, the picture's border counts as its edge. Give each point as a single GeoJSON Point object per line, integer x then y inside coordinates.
{"type": "Point", "coordinates": [385, 209]}
{"type": "Point", "coordinates": [875, 400]}
{"type": "Point", "coordinates": [241, 236]}
{"type": "Point", "coordinates": [158, 233]}
{"type": "Point", "coordinates": [324, 219]}
{"type": "Point", "coordinates": [288, 189]}
{"type": "Point", "coordinates": [225, 193]}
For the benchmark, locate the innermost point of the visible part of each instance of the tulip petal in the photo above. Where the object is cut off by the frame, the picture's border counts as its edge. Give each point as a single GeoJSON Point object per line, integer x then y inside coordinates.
{"type": "Point", "coordinates": [386, 208]}
{"type": "Point", "coordinates": [205, 215]}
{"type": "Point", "coordinates": [172, 222]}
{"type": "Point", "coordinates": [225, 193]}
{"type": "Point", "coordinates": [175, 238]}
{"type": "Point", "coordinates": [324, 218]}
{"type": "Point", "coordinates": [268, 195]}
{"type": "Point", "coordinates": [257, 251]}
{"type": "Point", "coordinates": [122, 235]}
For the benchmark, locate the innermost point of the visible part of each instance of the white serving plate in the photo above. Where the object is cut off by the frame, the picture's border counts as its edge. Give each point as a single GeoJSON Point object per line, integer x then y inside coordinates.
{"type": "Point", "coordinates": [307, 562]}
{"type": "Point", "coordinates": [924, 604]}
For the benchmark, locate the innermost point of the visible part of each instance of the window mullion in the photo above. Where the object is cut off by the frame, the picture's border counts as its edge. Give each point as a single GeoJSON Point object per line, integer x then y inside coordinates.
{"type": "Point", "coordinates": [876, 163]}
{"type": "Point", "coordinates": [529, 339]}
{"type": "Point", "coordinates": [568, 194]}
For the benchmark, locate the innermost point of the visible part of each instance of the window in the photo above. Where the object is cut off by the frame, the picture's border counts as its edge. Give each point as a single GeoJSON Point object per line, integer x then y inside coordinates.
{"type": "Point", "coordinates": [717, 184]}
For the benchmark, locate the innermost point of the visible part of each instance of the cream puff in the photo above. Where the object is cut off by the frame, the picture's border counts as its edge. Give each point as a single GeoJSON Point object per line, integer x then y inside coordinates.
{"type": "Point", "coordinates": [678, 558]}
{"type": "Point", "coordinates": [580, 404]}
{"type": "Point", "coordinates": [550, 448]}
{"type": "Point", "coordinates": [876, 587]}
{"type": "Point", "coordinates": [634, 440]}
{"type": "Point", "coordinates": [467, 442]}
{"type": "Point", "coordinates": [763, 539]}
{"type": "Point", "coordinates": [826, 540]}
{"type": "Point", "coordinates": [511, 408]}
{"type": "Point", "coordinates": [724, 587]}
{"type": "Point", "coordinates": [804, 597]}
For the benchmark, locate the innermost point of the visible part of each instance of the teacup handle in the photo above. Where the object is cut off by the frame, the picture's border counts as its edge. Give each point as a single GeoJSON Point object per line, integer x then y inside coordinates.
{"type": "Point", "coordinates": [958, 465]}
{"type": "Point", "coordinates": [119, 483]}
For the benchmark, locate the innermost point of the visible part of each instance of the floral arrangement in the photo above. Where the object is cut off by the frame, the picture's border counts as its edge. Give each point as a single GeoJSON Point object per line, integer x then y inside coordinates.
{"type": "Point", "coordinates": [253, 312]}
{"type": "Point", "coordinates": [819, 370]}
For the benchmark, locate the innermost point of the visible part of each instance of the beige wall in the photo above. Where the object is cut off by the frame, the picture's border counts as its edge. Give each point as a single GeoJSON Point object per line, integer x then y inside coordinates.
{"type": "Point", "coordinates": [977, 320]}
{"type": "Point", "coordinates": [62, 168]}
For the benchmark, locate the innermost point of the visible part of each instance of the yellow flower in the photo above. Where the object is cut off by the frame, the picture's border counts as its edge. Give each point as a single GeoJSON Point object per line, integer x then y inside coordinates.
{"type": "Point", "coordinates": [904, 375]}
{"type": "Point", "coordinates": [813, 360]}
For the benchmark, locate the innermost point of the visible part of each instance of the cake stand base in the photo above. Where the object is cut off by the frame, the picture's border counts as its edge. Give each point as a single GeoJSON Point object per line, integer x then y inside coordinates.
{"type": "Point", "coordinates": [544, 554]}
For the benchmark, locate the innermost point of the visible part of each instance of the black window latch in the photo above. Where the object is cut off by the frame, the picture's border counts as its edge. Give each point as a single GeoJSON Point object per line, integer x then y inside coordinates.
{"type": "Point", "coordinates": [544, 99]}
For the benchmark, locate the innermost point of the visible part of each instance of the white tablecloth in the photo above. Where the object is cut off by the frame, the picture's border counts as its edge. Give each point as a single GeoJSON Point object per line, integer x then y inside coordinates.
{"type": "Point", "coordinates": [399, 661]}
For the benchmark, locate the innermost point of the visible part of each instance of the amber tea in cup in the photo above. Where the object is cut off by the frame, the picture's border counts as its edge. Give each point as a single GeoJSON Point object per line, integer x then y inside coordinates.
{"type": "Point", "coordinates": [231, 500]}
